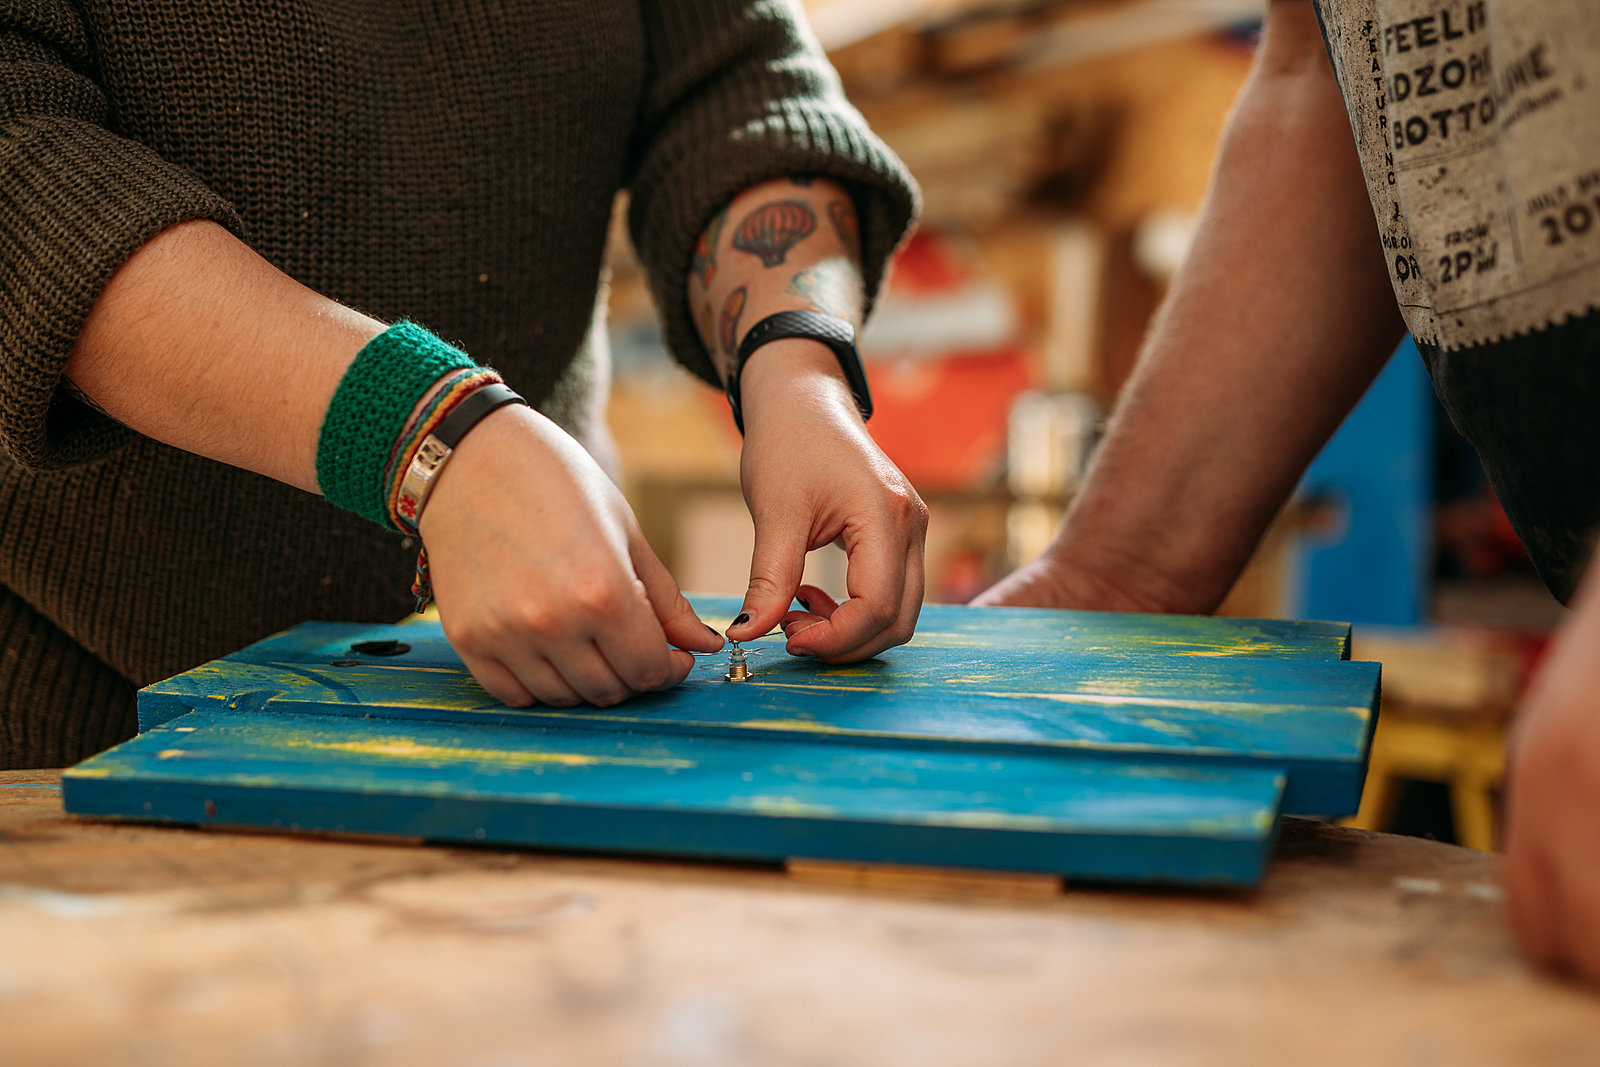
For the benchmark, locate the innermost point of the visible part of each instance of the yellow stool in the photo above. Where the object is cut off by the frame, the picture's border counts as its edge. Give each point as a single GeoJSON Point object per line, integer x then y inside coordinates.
{"type": "Point", "coordinates": [1447, 699]}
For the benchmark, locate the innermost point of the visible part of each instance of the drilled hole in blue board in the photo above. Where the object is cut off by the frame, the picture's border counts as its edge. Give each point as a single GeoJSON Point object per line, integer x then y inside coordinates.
{"type": "Point", "coordinates": [380, 648]}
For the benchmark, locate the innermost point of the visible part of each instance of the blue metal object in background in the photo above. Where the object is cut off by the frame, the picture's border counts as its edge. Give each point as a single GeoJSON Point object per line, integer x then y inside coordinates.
{"type": "Point", "coordinates": [1370, 564]}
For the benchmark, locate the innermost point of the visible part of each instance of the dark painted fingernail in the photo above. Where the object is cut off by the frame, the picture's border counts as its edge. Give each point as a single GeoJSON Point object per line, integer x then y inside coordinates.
{"type": "Point", "coordinates": [714, 632]}
{"type": "Point", "coordinates": [744, 617]}
{"type": "Point", "coordinates": [803, 652]}
{"type": "Point", "coordinates": [804, 602]}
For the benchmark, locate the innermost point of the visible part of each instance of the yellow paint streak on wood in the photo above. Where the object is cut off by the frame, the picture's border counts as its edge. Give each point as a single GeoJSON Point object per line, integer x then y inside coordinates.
{"type": "Point", "coordinates": [810, 687]}
{"type": "Point", "coordinates": [401, 748]}
{"type": "Point", "coordinates": [1108, 699]}
{"type": "Point", "coordinates": [1187, 703]}
{"type": "Point", "coordinates": [792, 806]}
{"type": "Point", "coordinates": [793, 724]}
{"type": "Point", "coordinates": [1245, 650]}
{"type": "Point", "coordinates": [1122, 643]}
{"type": "Point", "coordinates": [440, 701]}
{"type": "Point", "coordinates": [407, 667]}
{"type": "Point", "coordinates": [1171, 729]}
{"type": "Point", "coordinates": [943, 641]}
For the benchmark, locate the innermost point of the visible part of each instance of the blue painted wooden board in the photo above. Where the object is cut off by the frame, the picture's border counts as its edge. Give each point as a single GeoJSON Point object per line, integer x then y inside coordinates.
{"type": "Point", "coordinates": [1120, 747]}
{"type": "Point", "coordinates": [1220, 692]}
{"type": "Point", "coordinates": [754, 798]}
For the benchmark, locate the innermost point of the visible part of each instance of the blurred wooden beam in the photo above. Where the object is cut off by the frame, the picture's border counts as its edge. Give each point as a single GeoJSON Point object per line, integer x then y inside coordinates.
{"type": "Point", "coordinates": [1090, 29]}
{"type": "Point", "coordinates": [1109, 29]}
{"type": "Point", "coordinates": [838, 23]}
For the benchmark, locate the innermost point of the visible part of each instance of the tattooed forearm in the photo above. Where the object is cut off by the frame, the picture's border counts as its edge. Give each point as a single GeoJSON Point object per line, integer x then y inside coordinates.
{"type": "Point", "coordinates": [777, 224]}
{"type": "Point", "coordinates": [704, 263]}
{"type": "Point", "coordinates": [772, 229]}
{"type": "Point", "coordinates": [732, 308]}
{"type": "Point", "coordinates": [842, 213]}
{"type": "Point", "coordinates": [832, 287]}
{"type": "Point", "coordinates": [706, 324]}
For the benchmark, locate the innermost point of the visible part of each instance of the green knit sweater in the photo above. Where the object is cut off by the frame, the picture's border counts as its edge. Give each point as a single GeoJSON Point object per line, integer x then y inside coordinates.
{"type": "Point", "coordinates": [453, 162]}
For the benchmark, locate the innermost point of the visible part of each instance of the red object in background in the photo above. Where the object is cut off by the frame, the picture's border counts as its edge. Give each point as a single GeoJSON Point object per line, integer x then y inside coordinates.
{"type": "Point", "coordinates": [943, 419]}
{"type": "Point", "coordinates": [1475, 535]}
{"type": "Point", "coordinates": [1532, 647]}
{"type": "Point", "coordinates": [963, 576]}
{"type": "Point", "coordinates": [942, 407]}
{"type": "Point", "coordinates": [926, 266]}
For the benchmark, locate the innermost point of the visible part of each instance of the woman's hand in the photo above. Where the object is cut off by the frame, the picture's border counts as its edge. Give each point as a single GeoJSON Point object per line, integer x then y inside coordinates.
{"type": "Point", "coordinates": [813, 476]}
{"type": "Point", "coordinates": [544, 582]}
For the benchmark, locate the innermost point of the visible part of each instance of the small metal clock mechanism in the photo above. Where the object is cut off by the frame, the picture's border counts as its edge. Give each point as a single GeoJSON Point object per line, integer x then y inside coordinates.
{"type": "Point", "coordinates": [739, 662]}
{"type": "Point", "coordinates": [739, 659]}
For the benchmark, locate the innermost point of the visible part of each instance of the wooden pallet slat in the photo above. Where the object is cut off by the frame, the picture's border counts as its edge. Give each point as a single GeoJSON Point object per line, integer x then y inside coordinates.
{"type": "Point", "coordinates": [1101, 747]}
{"type": "Point", "coordinates": [1158, 687]}
{"type": "Point", "coordinates": [733, 798]}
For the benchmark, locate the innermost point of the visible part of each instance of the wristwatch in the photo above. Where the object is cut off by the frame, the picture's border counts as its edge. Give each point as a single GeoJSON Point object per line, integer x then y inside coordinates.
{"type": "Point", "coordinates": [836, 333]}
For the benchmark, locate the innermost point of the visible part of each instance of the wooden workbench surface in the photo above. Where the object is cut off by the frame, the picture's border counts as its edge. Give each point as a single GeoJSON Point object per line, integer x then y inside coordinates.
{"type": "Point", "coordinates": [137, 944]}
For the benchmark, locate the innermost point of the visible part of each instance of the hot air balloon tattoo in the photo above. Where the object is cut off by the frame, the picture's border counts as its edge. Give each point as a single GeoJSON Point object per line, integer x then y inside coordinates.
{"type": "Point", "coordinates": [772, 229]}
{"type": "Point", "coordinates": [704, 262]}
{"type": "Point", "coordinates": [842, 214]}
{"type": "Point", "coordinates": [732, 308]}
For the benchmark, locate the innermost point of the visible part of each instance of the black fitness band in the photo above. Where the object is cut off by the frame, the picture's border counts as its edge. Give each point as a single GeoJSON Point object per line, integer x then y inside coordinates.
{"type": "Point", "coordinates": [471, 411]}
{"type": "Point", "coordinates": [836, 333]}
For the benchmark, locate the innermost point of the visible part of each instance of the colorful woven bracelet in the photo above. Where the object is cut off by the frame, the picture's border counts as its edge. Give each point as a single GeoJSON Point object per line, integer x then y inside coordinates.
{"type": "Point", "coordinates": [447, 395]}
{"type": "Point", "coordinates": [437, 437]}
{"type": "Point", "coordinates": [406, 442]}
{"type": "Point", "coordinates": [371, 408]}
{"type": "Point", "coordinates": [404, 510]}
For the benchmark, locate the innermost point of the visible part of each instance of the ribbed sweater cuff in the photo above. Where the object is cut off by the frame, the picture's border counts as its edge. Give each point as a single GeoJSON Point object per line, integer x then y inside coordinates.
{"type": "Point", "coordinates": [75, 202]}
{"type": "Point", "coordinates": [796, 137]}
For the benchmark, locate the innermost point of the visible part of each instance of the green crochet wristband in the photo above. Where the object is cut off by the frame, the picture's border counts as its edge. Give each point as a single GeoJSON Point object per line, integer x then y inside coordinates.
{"type": "Point", "coordinates": [369, 410]}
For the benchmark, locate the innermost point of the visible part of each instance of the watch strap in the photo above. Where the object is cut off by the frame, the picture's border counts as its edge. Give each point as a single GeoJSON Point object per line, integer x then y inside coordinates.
{"type": "Point", "coordinates": [472, 410]}
{"type": "Point", "coordinates": [834, 332]}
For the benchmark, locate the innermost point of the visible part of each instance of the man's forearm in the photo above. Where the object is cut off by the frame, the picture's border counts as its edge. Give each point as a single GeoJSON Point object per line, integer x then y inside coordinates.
{"type": "Point", "coordinates": [200, 343]}
{"type": "Point", "coordinates": [1275, 326]}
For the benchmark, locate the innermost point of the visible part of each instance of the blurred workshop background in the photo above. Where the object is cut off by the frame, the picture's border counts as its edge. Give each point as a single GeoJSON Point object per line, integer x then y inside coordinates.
{"type": "Point", "coordinates": [1063, 148]}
